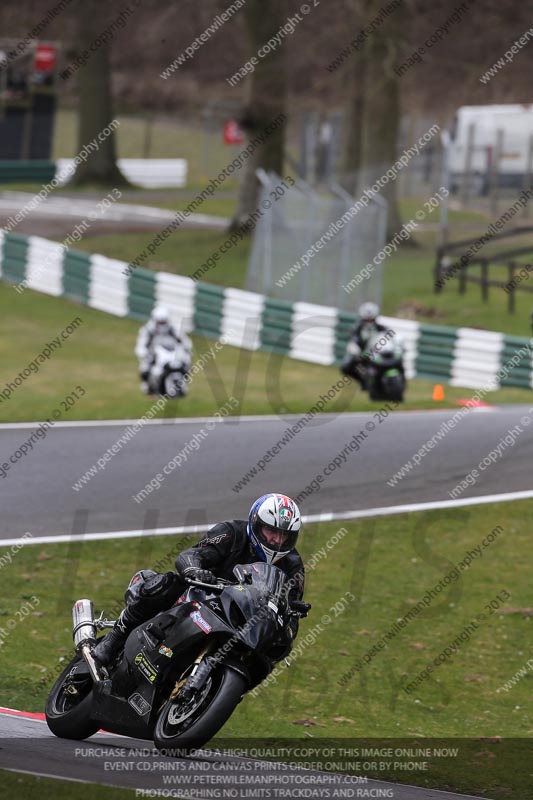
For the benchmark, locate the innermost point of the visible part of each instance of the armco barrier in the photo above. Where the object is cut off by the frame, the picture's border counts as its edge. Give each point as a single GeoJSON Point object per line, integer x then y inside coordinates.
{"type": "Point", "coordinates": [242, 318]}
{"type": "Point", "coordinates": [209, 304]}
{"type": "Point", "coordinates": [276, 326]}
{"type": "Point", "coordinates": [15, 258]}
{"type": "Point", "coordinates": [44, 271]}
{"type": "Point", "coordinates": [435, 352]}
{"type": "Point", "coordinates": [462, 357]}
{"type": "Point", "coordinates": [520, 375]}
{"type": "Point", "coordinates": [27, 171]}
{"type": "Point", "coordinates": [150, 173]}
{"type": "Point", "coordinates": [141, 295]}
{"type": "Point", "coordinates": [76, 276]}
{"type": "Point", "coordinates": [476, 357]}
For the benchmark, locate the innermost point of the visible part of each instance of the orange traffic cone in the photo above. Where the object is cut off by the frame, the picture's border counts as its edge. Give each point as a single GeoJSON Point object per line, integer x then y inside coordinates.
{"type": "Point", "coordinates": [438, 393]}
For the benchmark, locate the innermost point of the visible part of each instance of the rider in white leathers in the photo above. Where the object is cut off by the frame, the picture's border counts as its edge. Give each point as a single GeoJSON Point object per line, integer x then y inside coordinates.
{"type": "Point", "coordinates": [159, 324]}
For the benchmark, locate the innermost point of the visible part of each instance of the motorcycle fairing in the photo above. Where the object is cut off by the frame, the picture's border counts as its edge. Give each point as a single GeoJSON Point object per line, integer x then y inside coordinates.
{"type": "Point", "coordinates": [155, 655]}
{"type": "Point", "coordinates": [159, 651]}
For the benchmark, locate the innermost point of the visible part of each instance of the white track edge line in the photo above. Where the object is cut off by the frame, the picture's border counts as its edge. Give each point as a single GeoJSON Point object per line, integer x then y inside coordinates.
{"type": "Point", "coordinates": [328, 516]}
{"type": "Point", "coordinates": [95, 423]}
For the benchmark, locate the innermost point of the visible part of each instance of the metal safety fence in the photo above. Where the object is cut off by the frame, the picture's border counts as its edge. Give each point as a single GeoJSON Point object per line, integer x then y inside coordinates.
{"type": "Point", "coordinates": [308, 245]}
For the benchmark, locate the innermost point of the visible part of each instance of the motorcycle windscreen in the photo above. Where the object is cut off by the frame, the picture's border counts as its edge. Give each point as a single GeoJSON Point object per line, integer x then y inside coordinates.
{"type": "Point", "coordinates": [253, 606]}
{"type": "Point", "coordinates": [264, 576]}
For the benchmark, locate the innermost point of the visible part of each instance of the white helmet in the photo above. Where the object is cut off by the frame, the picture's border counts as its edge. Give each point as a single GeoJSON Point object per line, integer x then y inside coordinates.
{"type": "Point", "coordinates": [273, 516]}
{"type": "Point", "coordinates": [368, 312]}
{"type": "Point", "coordinates": [160, 315]}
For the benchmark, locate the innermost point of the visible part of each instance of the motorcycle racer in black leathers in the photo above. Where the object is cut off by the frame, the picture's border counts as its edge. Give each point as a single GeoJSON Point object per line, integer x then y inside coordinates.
{"type": "Point", "coordinates": [269, 534]}
{"type": "Point", "coordinates": [360, 335]}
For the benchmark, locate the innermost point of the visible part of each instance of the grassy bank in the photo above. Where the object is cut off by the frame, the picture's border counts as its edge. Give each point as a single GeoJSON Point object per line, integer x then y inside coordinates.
{"type": "Point", "coordinates": [28, 787]}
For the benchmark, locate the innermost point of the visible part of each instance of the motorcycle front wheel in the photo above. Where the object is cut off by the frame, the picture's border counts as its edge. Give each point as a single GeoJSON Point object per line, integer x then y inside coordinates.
{"type": "Point", "coordinates": [173, 385]}
{"type": "Point", "coordinates": [68, 706]}
{"type": "Point", "coordinates": [184, 726]}
{"type": "Point", "coordinates": [394, 387]}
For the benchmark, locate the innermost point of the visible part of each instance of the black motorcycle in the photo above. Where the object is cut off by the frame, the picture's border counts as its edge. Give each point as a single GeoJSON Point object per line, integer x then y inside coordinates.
{"type": "Point", "coordinates": [182, 673]}
{"type": "Point", "coordinates": [380, 367]}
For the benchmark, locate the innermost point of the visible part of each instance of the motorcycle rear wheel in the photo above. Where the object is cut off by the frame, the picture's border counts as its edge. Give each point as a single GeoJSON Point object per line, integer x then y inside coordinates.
{"type": "Point", "coordinates": [68, 716]}
{"type": "Point", "coordinates": [188, 726]}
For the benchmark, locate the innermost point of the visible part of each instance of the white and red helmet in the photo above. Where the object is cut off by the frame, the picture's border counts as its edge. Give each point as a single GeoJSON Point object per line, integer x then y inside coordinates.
{"type": "Point", "coordinates": [280, 514]}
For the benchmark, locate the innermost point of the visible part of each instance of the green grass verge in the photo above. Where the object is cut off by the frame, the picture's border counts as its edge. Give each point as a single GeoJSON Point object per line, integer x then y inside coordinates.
{"type": "Point", "coordinates": [387, 565]}
{"type": "Point", "coordinates": [99, 357]}
{"type": "Point", "coordinates": [27, 787]}
{"type": "Point", "coordinates": [181, 254]}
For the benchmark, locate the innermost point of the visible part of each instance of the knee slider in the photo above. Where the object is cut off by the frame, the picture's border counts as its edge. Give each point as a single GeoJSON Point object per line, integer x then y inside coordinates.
{"type": "Point", "coordinates": [157, 584]}
{"type": "Point", "coordinates": [133, 592]}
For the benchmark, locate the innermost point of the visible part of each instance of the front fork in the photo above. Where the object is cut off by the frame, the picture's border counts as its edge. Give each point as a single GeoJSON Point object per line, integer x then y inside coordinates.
{"type": "Point", "coordinates": [187, 684]}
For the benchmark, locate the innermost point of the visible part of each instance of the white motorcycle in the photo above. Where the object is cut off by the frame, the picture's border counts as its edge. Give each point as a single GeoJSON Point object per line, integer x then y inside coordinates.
{"type": "Point", "coordinates": [170, 366]}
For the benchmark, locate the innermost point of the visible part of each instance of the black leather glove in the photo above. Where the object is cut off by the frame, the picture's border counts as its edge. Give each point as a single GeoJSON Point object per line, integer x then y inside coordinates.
{"type": "Point", "coordinates": [197, 574]}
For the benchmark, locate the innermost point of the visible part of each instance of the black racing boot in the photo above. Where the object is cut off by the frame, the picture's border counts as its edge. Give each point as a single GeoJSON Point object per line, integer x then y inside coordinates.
{"type": "Point", "coordinates": [145, 386]}
{"type": "Point", "coordinates": [109, 647]}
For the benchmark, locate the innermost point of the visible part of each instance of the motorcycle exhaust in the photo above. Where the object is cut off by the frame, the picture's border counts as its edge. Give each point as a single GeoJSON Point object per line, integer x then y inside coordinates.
{"type": "Point", "coordinates": [84, 634]}
{"type": "Point", "coordinates": [84, 629]}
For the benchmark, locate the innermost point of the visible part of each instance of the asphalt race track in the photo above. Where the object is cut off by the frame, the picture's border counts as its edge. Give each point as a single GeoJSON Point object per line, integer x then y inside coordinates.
{"type": "Point", "coordinates": [37, 495]}
{"type": "Point", "coordinates": [28, 746]}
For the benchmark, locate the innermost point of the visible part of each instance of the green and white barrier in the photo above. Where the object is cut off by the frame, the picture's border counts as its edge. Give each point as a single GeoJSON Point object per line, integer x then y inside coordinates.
{"type": "Point", "coordinates": [29, 171]}
{"type": "Point", "coordinates": [150, 173]}
{"type": "Point", "coordinates": [462, 357]}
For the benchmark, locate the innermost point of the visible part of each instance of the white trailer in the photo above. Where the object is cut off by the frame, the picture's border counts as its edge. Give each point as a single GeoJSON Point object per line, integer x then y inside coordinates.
{"type": "Point", "coordinates": [493, 145]}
